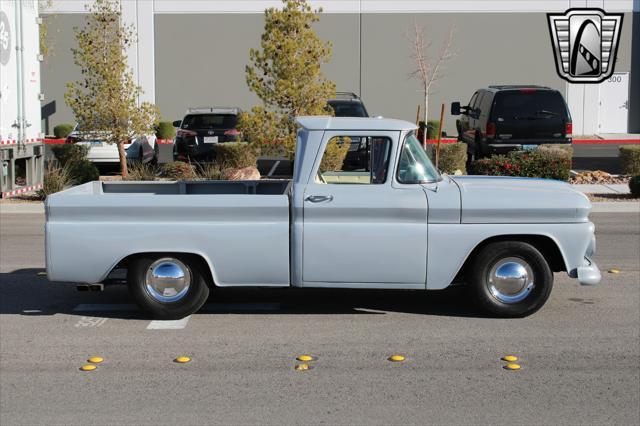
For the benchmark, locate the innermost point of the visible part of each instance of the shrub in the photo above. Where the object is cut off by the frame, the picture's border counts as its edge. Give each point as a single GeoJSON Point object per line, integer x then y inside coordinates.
{"type": "Point", "coordinates": [83, 171]}
{"type": "Point", "coordinates": [165, 130]}
{"type": "Point", "coordinates": [630, 159]}
{"type": "Point", "coordinates": [178, 170]}
{"type": "Point", "coordinates": [634, 186]}
{"type": "Point", "coordinates": [210, 171]}
{"type": "Point", "coordinates": [334, 154]}
{"type": "Point", "coordinates": [453, 156]}
{"type": "Point", "coordinates": [61, 131]}
{"type": "Point", "coordinates": [560, 149]}
{"type": "Point", "coordinates": [55, 180]}
{"type": "Point", "coordinates": [140, 171]}
{"type": "Point", "coordinates": [69, 153]}
{"type": "Point", "coordinates": [432, 129]}
{"type": "Point", "coordinates": [550, 164]}
{"type": "Point", "coordinates": [235, 155]}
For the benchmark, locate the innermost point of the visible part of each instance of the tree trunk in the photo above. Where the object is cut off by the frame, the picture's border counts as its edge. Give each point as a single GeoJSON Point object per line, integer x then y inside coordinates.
{"type": "Point", "coordinates": [426, 114]}
{"type": "Point", "coordinates": [123, 160]}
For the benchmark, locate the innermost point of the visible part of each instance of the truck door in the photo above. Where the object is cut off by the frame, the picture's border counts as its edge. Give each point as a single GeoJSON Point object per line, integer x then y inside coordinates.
{"type": "Point", "coordinates": [360, 229]}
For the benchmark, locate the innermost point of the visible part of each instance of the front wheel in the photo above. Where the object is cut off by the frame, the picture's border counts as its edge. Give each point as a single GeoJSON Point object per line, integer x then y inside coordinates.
{"type": "Point", "coordinates": [510, 279]}
{"type": "Point", "coordinates": [168, 287]}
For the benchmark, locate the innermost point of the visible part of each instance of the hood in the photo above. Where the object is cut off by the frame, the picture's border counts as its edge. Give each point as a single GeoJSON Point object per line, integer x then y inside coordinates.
{"type": "Point", "coordinates": [498, 199]}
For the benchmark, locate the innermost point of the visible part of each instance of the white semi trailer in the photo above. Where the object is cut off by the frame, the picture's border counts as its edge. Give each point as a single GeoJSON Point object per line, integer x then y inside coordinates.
{"type": "Point", "coordinates": [21, 139]}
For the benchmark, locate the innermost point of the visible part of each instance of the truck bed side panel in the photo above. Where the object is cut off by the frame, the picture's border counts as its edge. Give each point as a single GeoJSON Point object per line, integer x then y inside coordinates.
{"type": "Point", "coordinates": [244, 238]}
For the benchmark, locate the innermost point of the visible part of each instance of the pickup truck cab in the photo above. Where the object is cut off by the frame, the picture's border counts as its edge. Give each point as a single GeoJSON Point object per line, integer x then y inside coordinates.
{"type": "Point", "coordinates": [394, 224]}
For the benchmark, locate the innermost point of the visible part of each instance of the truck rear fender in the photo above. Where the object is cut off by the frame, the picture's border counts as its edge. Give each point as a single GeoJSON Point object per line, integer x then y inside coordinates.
{"type": "Point", "coordinates": [203, 260]}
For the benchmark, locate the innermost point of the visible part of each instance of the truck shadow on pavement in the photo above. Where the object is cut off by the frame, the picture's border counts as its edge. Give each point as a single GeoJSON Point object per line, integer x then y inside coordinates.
{"type": "Point", "coordinates": [28, 292]}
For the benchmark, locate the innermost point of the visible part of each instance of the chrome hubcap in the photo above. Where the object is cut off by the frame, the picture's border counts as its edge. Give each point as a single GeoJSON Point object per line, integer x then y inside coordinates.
{"type": "Point", "coordinates": [510, 280]}
{"type": "Point", "coordinates": [168, 280]}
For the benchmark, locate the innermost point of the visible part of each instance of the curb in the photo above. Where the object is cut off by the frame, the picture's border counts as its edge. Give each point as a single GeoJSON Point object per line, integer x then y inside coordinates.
{"type": "Point", "coordinates": [22, 208]}
{"type": "Point", "coordinates": [615, 207]}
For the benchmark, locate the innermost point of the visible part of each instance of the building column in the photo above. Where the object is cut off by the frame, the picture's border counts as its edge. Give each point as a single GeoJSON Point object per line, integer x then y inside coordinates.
{"type": "Point", "coordinates": [141, 54]}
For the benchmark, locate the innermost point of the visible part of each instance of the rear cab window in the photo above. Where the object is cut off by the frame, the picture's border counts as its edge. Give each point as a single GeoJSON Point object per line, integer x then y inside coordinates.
{"type": "Point", "coordinates": [348, 109]}
{"type": "Point", "coordinates": [524, 104]}
{"type": "Point", "coordinates": [210, 121]}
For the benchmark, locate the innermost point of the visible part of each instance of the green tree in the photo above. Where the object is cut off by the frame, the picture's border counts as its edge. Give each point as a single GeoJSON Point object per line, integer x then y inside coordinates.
{"type": "Point", "coordinates": [286, 75]}
{"type": "Point", "coordinates": [105, 99]}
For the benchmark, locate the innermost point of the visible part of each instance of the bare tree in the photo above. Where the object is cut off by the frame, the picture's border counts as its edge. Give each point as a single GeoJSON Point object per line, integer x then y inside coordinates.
{"type": "Point", "coordinates": [428, 70]}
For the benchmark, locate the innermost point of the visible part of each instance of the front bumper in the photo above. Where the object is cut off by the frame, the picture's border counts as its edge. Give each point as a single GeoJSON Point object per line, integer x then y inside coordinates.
{"type": "Point", "coordinates": [588, 274]}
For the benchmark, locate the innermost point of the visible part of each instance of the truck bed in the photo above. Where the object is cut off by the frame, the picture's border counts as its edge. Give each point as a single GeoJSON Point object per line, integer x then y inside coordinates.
{"type": "Point", "coordinates": [240, 228]}
{"type": "Point", "coordinates": [257, 187]}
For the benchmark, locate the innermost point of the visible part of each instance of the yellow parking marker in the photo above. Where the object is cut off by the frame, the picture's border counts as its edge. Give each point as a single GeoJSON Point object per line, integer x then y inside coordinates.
{"type": "Point", "coordinates": [512, 367]}
{"type": "Point", "coordinates": [95, 360]}
{"type": "Point", "coordinates": [182, 359]}
{"type": "Point", "coordinates": [88, 367]}
{"type": "Point", "coordinates": [510, 358]}
{"type": "Point", "coordinates": [396, 358]}
{"type": "Point", "coordinates": [302, 367]}
{"type": "Point", "coordinates": [305, 358]}
{"type": "Point", "coordinates": [614, 271]}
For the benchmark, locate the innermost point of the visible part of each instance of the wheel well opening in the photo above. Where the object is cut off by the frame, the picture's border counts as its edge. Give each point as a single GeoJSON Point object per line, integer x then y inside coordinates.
{"type": "Point", "coordinates": [196, 258]}
{"type": "Point", "coordinates": [545, 245]}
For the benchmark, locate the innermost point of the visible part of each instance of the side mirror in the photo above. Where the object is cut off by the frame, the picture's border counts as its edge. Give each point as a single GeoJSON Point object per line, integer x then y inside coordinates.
{"type": "Point", "coordinates": [177, 123]}
{"type": "Point", "coordinates": [455, 108]}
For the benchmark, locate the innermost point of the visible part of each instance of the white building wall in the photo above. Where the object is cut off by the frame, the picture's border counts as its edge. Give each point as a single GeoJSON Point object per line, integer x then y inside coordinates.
{"type": "Point", "coordinates": [582, 99]}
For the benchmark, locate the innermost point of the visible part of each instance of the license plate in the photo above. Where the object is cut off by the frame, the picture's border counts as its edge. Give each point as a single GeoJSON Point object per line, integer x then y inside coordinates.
{"type": "Point", "coordinates": [210, 139]}
{"type": "Point", "coordinates": [529, 147]}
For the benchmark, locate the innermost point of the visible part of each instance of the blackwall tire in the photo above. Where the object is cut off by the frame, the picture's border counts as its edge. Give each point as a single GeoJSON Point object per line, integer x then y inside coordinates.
{"type": "Point", "coordinates": [510, 279]}
{"type": "Point", "coordinates": [168, 286]}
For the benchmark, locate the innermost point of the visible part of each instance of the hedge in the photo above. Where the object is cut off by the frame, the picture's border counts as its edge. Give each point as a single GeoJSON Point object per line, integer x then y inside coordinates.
{"type": "Point", "coordinates": [61, 131]}
{"type": "Point", "coordinates": [453, 157]}
{"type": "Point", "coordinates": [165, 130]}
{"type": "Point", "coordinates": [83, 171]}
{"type": "Point", "coordinates": [235, 155]}
{"type": "Point", "coordinates": [630, 159]}
{"type": "Point", "coordinates": [178, 170]}
{"type": "Point", "coordinates": [634, 186]}
{"type": "Point", "coordinates": [547, 164]}
{"type": "Point", "coordinates": [69, 153]}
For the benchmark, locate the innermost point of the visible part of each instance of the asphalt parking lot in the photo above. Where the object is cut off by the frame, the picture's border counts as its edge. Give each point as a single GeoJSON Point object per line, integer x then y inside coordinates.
{"type": "Point", "coordinates": [580, 354]}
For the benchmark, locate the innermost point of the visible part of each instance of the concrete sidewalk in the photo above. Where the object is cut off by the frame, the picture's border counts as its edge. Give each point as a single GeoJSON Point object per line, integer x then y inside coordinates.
{"type": "Point", "coordinates": [600, 188]}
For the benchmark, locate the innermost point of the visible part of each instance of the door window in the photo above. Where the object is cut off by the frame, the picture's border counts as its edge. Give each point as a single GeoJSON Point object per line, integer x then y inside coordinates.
{"type": "Point", "coordinates": [355, 160]}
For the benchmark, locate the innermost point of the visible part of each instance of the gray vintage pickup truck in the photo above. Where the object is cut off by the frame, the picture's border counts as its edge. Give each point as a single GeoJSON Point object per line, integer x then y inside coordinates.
{"type": "Point", "coordinates": [390, 221]}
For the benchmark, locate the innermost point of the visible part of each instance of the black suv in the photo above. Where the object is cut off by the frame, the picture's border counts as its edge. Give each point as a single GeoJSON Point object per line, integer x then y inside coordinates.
{"type": "Point", "coordinates": [500, 119]}
{"type": "Point", "coordinates": [347, 104]}
{"type": "Point", "coordinates": [202, 128]}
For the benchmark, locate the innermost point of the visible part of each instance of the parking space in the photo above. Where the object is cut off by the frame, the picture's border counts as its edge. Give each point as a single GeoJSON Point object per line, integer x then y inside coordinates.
{"type": "Point", "coordinates": [579, 354]}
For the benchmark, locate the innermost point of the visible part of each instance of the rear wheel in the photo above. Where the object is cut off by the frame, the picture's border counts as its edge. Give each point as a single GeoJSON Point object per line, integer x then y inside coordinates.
{"type": "Point", "coordinates": [510, 279]}
{"type": "Point", "coordinates": [168, 286]}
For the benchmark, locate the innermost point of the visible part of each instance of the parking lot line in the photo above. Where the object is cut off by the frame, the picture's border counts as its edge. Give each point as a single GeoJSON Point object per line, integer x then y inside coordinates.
{"type": "Point", "coordinates": [169, 325]}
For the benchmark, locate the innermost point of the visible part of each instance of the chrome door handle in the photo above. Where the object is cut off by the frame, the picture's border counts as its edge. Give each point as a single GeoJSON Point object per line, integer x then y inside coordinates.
{"type": "Point", "coordinates": [319, 198]}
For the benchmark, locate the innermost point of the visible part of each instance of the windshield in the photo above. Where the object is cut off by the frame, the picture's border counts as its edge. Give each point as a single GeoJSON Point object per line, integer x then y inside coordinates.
{"type": "Point", "coordinates": [415, 166]}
